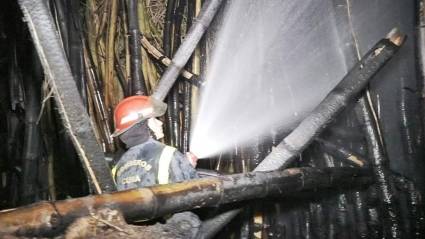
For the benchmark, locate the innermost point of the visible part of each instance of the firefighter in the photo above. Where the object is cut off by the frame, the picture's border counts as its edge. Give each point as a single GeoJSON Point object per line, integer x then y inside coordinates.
{"type": "Point", "coordinates": [147, 161]}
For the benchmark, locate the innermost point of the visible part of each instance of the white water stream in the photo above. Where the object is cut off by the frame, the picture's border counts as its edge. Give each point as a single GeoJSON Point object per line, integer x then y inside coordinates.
{"type": "Point", "coordinates": [271, 62]}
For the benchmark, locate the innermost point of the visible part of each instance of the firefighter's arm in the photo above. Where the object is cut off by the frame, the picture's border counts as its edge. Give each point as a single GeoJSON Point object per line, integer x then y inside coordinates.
{"type": "Point", "coordinates": [181, 168]}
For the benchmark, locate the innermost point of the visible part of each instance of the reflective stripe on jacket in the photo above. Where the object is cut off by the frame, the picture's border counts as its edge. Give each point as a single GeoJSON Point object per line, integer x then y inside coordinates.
{"type": "Point", "coordinates": [151, 163]}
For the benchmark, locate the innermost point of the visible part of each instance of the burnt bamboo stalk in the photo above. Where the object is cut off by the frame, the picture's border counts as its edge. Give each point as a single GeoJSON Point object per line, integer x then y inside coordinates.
{"type": "Point", "coordinates": [168, 41]}
{"type": "Point", "coordinates": [177, 22]}
{"type": "Point", "coordinates": [92, 25]}
{"type": "Point", "coordinates": [177, 122]}
{"type": "Point", "coordinates": [157, 54]}
{"type": "Point", "coordinates": [290, 147]}
{"type": "Point", "coordinates": [187, 96]}
{"type": "Point", "coordinates": [187, 88]}
{"type": "Point", "coordinates": [127, 64]}
{"type": "Point", "coordinates": [351, 56]}
{"type": "Point", "coordinates": [98, 102]}
{"type": "Point", "coordinates": [48, 128]}
{"type": "Point", "coordinates": [137, 82]}
{"type": "Point", "coordinates": [186, 49]}
{"type": "Point", "coordinates": [67, 97]}
{"type": "Point", "coordinates": [109, 89]}
{"type": "Point", "coordinates": [414, 205]}
{"type": "Point", "coordinates": [379, 161]}
{"type": "Point", "coordinates": [168, 28]}
{"type": "Point", "coordinates": [31, 155]}
{"type": "Point", "coordinates": [342, 153]}
{"type": "Point", "coordinates": [48, 218]}
{"type": "Point", "coordinates": [15, 81]}
{"type": "Point", "coordinates": [196, 64]}
{"type": "Point", "coordinates": [120, 75]}
{"type": "Point", "coordinates": [148, 68]}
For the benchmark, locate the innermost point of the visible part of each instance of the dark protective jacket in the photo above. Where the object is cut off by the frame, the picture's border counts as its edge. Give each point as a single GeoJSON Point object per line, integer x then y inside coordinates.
{"type": "Point", "coordinates": [151, 163]}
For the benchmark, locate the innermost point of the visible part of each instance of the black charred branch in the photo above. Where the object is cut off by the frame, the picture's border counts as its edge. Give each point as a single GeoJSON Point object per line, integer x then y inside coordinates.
{"type": "Point", "coordinates": [15, 81]}
{"type": "Point", "coordinates": [186, 49]}
{"type": "Point", "coordinates": [341, 153]}
{"type": "Point", "coordinates": [168, 28]}
{"type": "Point", "coordinates": [32, 155]}
{"type": "Point", "coordinates": [187, 90]}
{"type": "Point", "coordinates": [176, 96]}
{"type": "Point", "coordinates": [47, 218]}
{"type": "Point", "coordinates": [171, 39]}
{"type": "Point", "coordinates": [379, 161]}
{"type": "Point", "coordinates": [415, 205]}
{"type": "Point", "coordinates": [171, 117]}
{"type": "Point", "coordinates": [165, 60]}
{"type": "Point", "coordinates": [187, 95]}
{"type": "Point", "coordinates": [72, 110]}
{"type": "Point", "coordinates": [137, 82]}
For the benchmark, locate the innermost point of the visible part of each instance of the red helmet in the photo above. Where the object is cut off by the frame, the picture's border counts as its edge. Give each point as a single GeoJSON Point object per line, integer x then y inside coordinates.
{"type": "Point", "coordinates": [135, 109]}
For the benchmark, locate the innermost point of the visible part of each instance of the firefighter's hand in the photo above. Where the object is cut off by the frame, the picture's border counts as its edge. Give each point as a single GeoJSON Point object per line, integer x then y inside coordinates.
{"type": "Point", "coordinates": [192, 159]}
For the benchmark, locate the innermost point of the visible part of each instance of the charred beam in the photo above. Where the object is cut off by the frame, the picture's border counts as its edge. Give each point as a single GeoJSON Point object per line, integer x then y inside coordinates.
{"type": "Point", "coordinates": [48, 218]}
{"type": "Point", "coordinates": [74, 115]}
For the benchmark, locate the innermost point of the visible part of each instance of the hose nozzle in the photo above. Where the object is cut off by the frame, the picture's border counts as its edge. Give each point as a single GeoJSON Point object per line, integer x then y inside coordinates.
{"type": "Point", "coordinates": [192, 158]}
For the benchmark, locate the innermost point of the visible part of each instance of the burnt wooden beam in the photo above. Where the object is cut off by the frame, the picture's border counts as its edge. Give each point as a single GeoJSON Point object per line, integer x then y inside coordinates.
{"type": "Point", "coordinates": [50, 218]}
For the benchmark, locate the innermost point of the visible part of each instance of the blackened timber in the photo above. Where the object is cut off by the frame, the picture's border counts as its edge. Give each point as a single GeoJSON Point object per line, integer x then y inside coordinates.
{"type": "Point", "coordinates": [48, 218]}
{"type": "Point", "coordinates": [137, 83]}
{"type": "Point", "coordinates": [384, 185]}
{"type": "Point", "coordinates": [67, 97]}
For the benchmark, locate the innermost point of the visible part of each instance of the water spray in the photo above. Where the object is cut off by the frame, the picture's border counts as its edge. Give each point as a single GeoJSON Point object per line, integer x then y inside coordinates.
{"type": "Point", "coordinates": [269, 65]}
{"type": "Point", "coordinates": [344, 93]}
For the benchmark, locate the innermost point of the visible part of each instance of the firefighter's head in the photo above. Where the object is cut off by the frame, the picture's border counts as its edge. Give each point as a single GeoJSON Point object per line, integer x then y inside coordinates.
{"type": "Point", "coordinates": [135, 115]}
